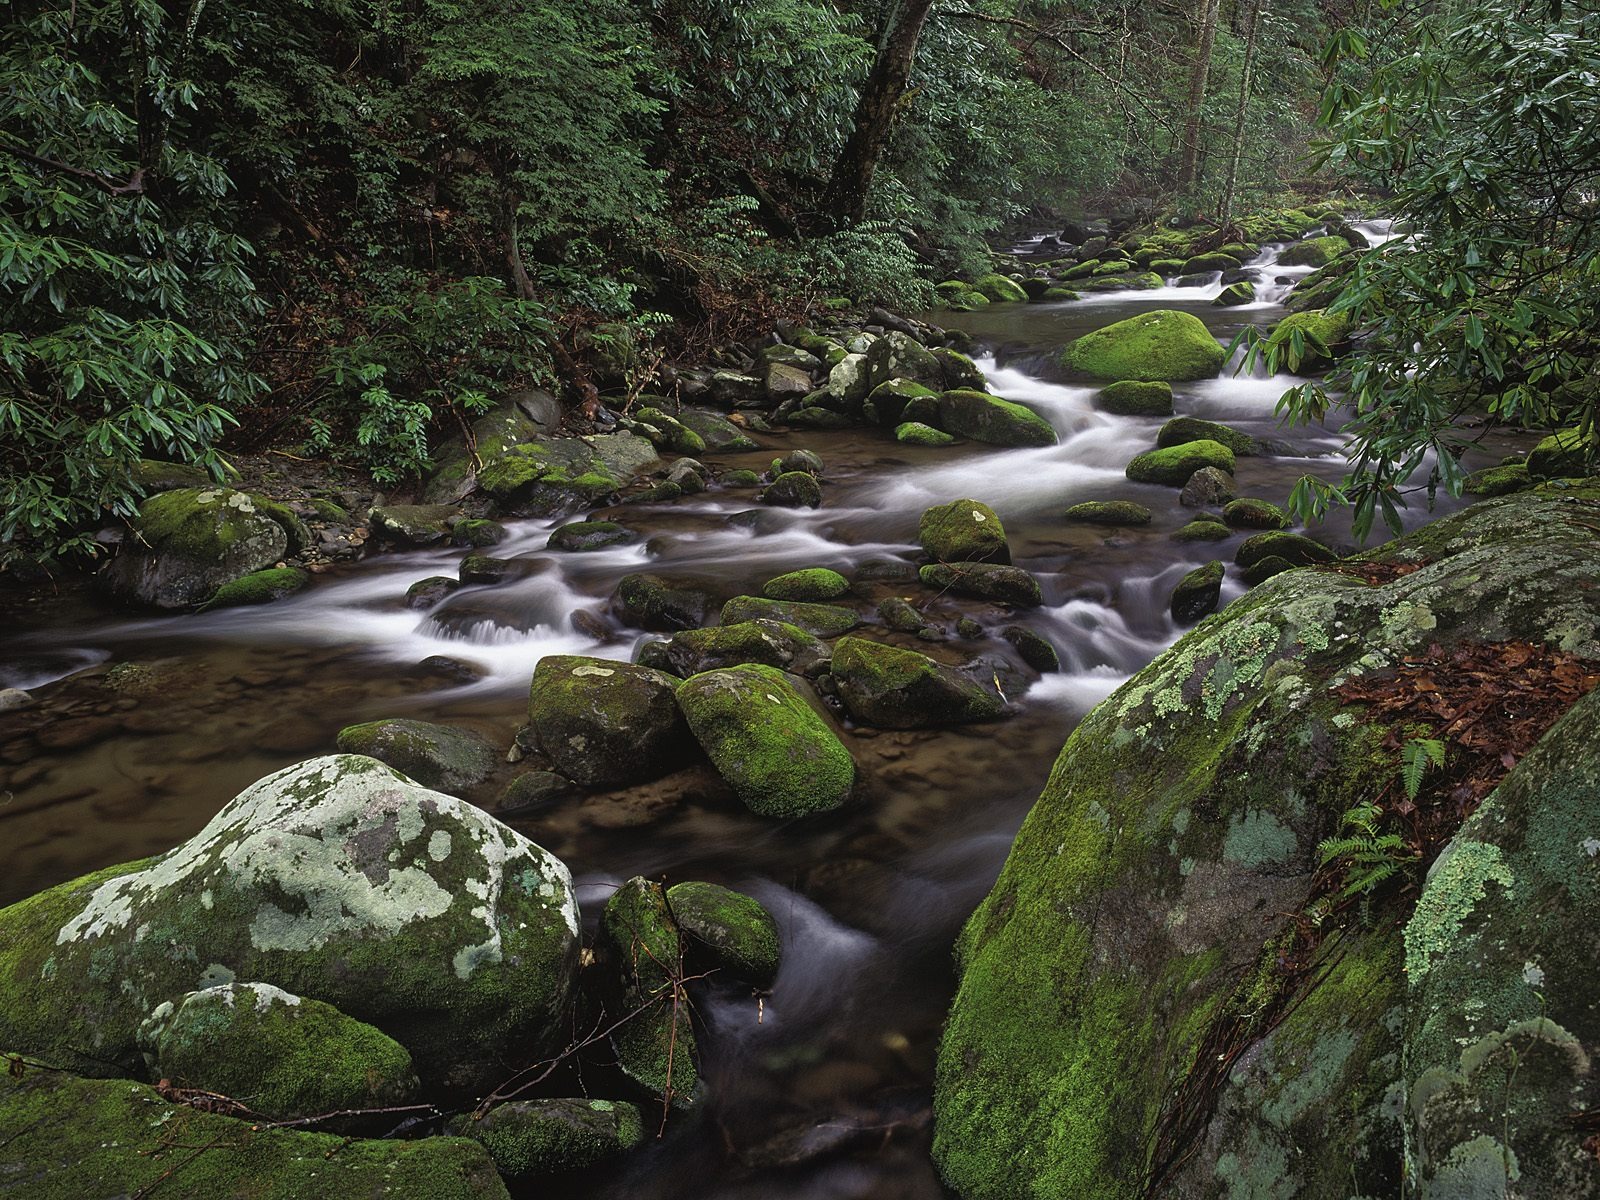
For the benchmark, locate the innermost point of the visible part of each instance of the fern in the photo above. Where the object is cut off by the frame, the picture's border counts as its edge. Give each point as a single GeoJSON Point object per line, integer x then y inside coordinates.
{"type": "Point", "coordinates": [1367, 856]}
{"type": "Point", "coordinates": [1415, 759]}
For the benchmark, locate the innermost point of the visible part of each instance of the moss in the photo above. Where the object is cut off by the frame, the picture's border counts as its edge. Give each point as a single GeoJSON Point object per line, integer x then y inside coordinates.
{"type": "Point", "coordinates": [1059, 295]}
{"type": "Point", "coordinates": [478, 534]}
{"type": "Point", "coordinates": [959, 370]}
{"type": "Point", "coordinates": [529, 1139]}
{"type": "Point", "coordinates": [327, 510]}
{"type": "Point", "coordinates": [823, 620]}
{"type": "Point", "coordinates": [1498, 481]}
{"type": "Point", "coordinates": [888, 400]}
{"type": "Point", "coordinates": [1173, 465]}
{"type": "Point", "coordinates": [1265, 568]}
{"type": "Point", "coordinates": [779, 756]}
{"type": "Point", "coordinates": [1131, 398]}
{"type": "Point", "coordinates": [1564, 453]}
{"type": "Point", "coordinates": [727, 930]}
{"type": "Point", "coordinates": [1313, 252]}
{"type": "Point", "coordinates": [1109, 512]}
{"type": "Point", "coordinates": [915, 433]}
{"type": "Point", "coordinates": [966, 301]}
{"type": "Point", "coordinates": [813, 583]}
{"type": "Point", "coordinates": [901, 689]}
{"type": "Point", "coordinates": [1164, 344]}
{"type": "Point", "coordinates": [604, 723]}
{"type": "Point", "coordinates": [1138, 281]}
{"type": "Point", "coordinates": [989, 419]}
{"type": "Point", "coordinates": [774, 643]}
{"type": "Point", "coordinates": [1181, 430]}
{"type": "Point", "coordinates": [1323, 335]}
{"type": "Point", "coordinates": [963, 531]}
{"type": "Point", "coordinates": [1293, 547]}
{"type": "Point", "coordinates": [1235, 294]}
{"type": "Point", "coordinates": [589, 535]}
{"type": "Point", "coordinates": [1202, 529]}
{"type": "Point", "coordinates": [434, 755]}
{"type": "Point", "coordinates": [1249, 513]}
{"type": "Point", "coordinates": [985, 581]}
{"type": "Point", "coordinates": [740, 479]}
{"type": "Point", "coordinates": [1213, 261]}
{"type": "Point", "coordinates": [1197, 593]}
{"type": "Point", "coordinates": [1000, 289]}
{"type": "Point", "coordinates": [260, 587]}
{"type": "Point", "coordinates": [793, 489]}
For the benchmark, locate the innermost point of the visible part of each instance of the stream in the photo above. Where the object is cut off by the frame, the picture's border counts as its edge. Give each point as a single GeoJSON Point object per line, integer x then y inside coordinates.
{"type": "Point", "coordinates": [824, 1090]}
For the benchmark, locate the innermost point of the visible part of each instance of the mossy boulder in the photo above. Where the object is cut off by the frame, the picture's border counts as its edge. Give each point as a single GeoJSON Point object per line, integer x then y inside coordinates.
{"type": "Point", "coordinates": [915, 433]}
{"type": "Point", "coordinates": [1311, 340]}
{"type": "Point", "coordinates": [1131, 398]}
{"type": "Point", "coordinates": [425, 593]}
{"type": "Point", "coordinates": [985, 418]}
{"type": "Point", "coordinates": [553, 476]}
{"type": "Point", "coordinates": [651, 602]}
{"type": "Point", "coordinates": [1123, 281]}
{"type": "Point", "coordinates": [984, 581]}
{"type": "Point", "coordinates": [437, 756]}
{"type": "Point", "coordinates": [1181, 430]}
{"type": "Point", "coordinates": [283, 1055]}
{"type": "Point", "coordinates": [780, 757]}
{"type": "Point", "coordinates": [1153, 890]}
{"type": "Point", "coordinates": [898, 355]}
{"type": "Point", "coordinates": [1163, 344]}
{"type": "Point", "coordinates": [1313, 252]}
{"type": "Point", "coordinates": [338, 879]}
{"type": "Point", "coordinates": [720, 435]}
{"type": "Point", "coordinates": [1060, 295]}
{"type": "Point", "coordinates": [589, 535]}
{"type": "Point", "coordinates": [529, 1139]}
{"type": "Point", "coordinates": [1247, 512]}
{"type": "Point", "coordinates": [605, 723]}
{"type": "Point", "coordinates": [260, 587]}
{"type": "Point", "coordinates": [1560, 455]}
{"type": "Point", "coordinates": [1033, 648]}
{"type": "Point", "coordinates": [960, 372]}
{"type": "Point", "coordinates": [811, 583]}
{"type": "Point", "coordinates": [1264, 569]}
{"type": "Point", "coordinates": [726, 931]}
{"type": "Point", "coordinates": [190, 542]}
{"type": "Point", "coordinates": [654, 1043]}
{"type": "Point", "coordinates": [1295, 547]}
{"type": "Point", "coordinates": [1499, 481]}
{"type": "Point", "coordinates": [1109, 512]}
{"type": "Point", "coordinates": [1197, 593]}
{"type": "Point", "coordinates": [1202, 529]}
{"type": "Point", "coordinates": [965, 301]}
{"type": "Point", "coordinates": [901, 689]}
{"type": "Point", "coordinates": [774, 643]}
{"type": "Point", "coordinates": [999, 289]}
{"type": "Point", "coordinates": [849, 382]}
{"type": "Point", "coordinates": [1172, 465]}
{"type": "Point", "coordinates": [1213, 261]}
{"type": "Point", "coordinates": [70, 1139]}
{"type": "Point", "coordinates": [793, 489]}
{"type": "Point", "coordinates": [888, 401]}
{"type": "Point", "coordinates": [478, 534]}
{"type": "Point", "coordinates": [414, 524]}
{"type": "Point", "coordinates": [821, 620]}
{"type": "Point", "coordinates": [1235, 294]}
{"type": "Point", "coordinates": [963, 531]}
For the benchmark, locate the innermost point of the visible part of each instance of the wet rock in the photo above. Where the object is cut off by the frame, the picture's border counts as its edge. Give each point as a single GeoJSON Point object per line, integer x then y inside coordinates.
{"type": "Point", "coordinates": [414, 524]}
{"type": "Point", "coordinates": [899, 356]}
{"type": "Point", "coordinates": [968, 628]}
{"type": "Point", "coordinates": [989, 419]}
{"type": "Point", "coordinates": [651, 602]}
{"type": "Point", "coordinates": [1213, 261]}
{"type": "Point", "coordinates": [985, 581]}
{"type": "Point", "coordinates": [1197, 593]}
{"type": "Point", "coordinates": [534, 791]}
{"type": "Point", "coordinates": [733, 389]}
{"type": "Point", "coordinates": [1313, 252]}
{"type": "Point", "coordinates": [285, 1055]}
{"type": "Point", "coordinates": [820, 418]}
{"type": "Point", "coordinates": [337, 878]}
{"type": "Point", "coordinates": [13, 699]}
{"type": "Point", "coordinates": [720, 435]}
{"type": "Point", "coordinates": [1109, 512]}
{"type": "Point", "coordinates": [793, 489]}
{"type": "Point", "coordinates": [439, 756]}
{"type": "Point", "coordinates": [190, 542]}
{"type": "Point", "coordinates": [655, 1047]}
{"type": "Point", "coordinates": [605, 723]}
{"type": "Point", "coordinates": [1560, 455]}
{"type": "Point", "coordinates": [689, 475]}
{"type": "Point", "coordinates": [589, 535]}
{"type": "Point", "coordinates": [915, 433]}
{"type": "Point", "coordinates": [999, 289]}
{"type": "Point", "coordinates": [901, 689]}
{"type": "Point", "coordinates": [1247, 512]}
{"type": "Point", "coordinates": [1209, 487]}
{"type": "Point", "coordinates": [778, 755]}
{"type": "Point", "coordinates": [772, 643]}
{"type": "Point", "coordinates": [740, 478]}
{"type": "Point", "coordinates": [260, 587]}
{"type": "Point", "coordinates": [1264, 569]}
{"type": "Point", "coordinates": [1240, 292]}
{"type": "Point", "coordinates": [901, 616]}
{"type": "Point", "coordinates": [1164, 344]}
{"type": "Point", "coordinates": [485, 569]}
{"type": "Point", "coordinates": [1174, 465]}
{"type": "Point", "coordinates": [559, 475]}
{"type": "Point", "coordinates": [426, 593]}
{"type": "Point", "coordinates": [963, 531]}
{"type": "Point", "coordinates": [1132, 398]}
{"type": "Point", "coordinates": [529, 1139]}
{"type": "Point", "coordinates": [812, 583]}
{"type": "Point", "coordinates": [823, 620]}
{"type": "Point", "coordinates": [478, 534]}
{"type": "Point", "coordinates": [1203, 529]}
{"type": "Point", "coordinates": [1498, 481]}
{"type": "Point", "coordinates": [726, 931]}
{"type": "Point", "coordinates": [1297, 548]}
{"type": "Point", "coordinates": [1322, 338]}
{"type": "Point", "coordinates": [798, 460]}
{"type": "Point", "coordinates": [887, 403]}
{"type": "Point", "coordinates": [1181, 430]}
{"type": "Point", "coordinates": [1034, 650]}
{"type": "Point", "coordinates": [960, 372]}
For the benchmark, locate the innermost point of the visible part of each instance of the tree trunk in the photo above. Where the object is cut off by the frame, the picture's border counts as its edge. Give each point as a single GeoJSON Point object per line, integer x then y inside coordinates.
{"type": "Point", "coordinates": [1252, 19]}
{"type": "Point", "coordinates": [845, 202]}
{"type": "Point", "coordinates": [1198, 73]}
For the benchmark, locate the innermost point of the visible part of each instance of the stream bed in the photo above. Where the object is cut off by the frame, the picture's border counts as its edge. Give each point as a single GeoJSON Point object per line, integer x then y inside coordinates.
{"type": "Point", "coordinates": [822, 1089]}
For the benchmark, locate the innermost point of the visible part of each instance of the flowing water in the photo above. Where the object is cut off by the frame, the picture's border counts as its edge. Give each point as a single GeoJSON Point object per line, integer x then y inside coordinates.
{"type": "Point", "coordinates": [823, 1090]}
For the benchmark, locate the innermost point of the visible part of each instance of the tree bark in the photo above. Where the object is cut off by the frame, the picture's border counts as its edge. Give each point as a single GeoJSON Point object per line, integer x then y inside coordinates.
{"type": "Point", "coordinates": [1205, 34]}
{"type": "Point", "coordinates": [845, 202]}
{"type": "Point", "coordinates": [1252, 18]}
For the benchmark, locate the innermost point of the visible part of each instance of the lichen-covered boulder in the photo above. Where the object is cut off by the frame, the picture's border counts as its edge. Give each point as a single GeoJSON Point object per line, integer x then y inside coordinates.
{"type": "Point", "coordinates": [69, 1139]}
{"type": "Point", "coordinates": [1163, 344]}
{"type": "Point", "coordinates": [1197, 593]}
{"type": "Point", "coordinates": [726, 931]}
{"type": "Point", "coordinates": [280, 1054]}
{"type": "Point", "coordinates": [810, 583]}
{"type": "Point", "coordinates": [780, 757]}
{"type": "Point", "coordinates": [901, 689]}
{"type": "Point", "coordinates": [1133, 398]}
{"type": "Point", "coordinates": [337, 879]}
{"type": "Point", "coordinates": [605, 723]}
{"type": "Point", "coordinates": [774, 643]}
{"type": "Point", "coordinates": [1172, 465]}
{"type": "Point", "coordinates": [529, 1139]}
{"type": "Point", "coordinates": [437, 756]}
{"type": "Point", "coordinates": [897, 355]}
{"type": "Point", "coordinates": [551, 476]}
{"type": "Point", "coordinates": [989, 419]}
{"type": "Point", "coordinates": [821, 620]}
{"type": "Point", "coordinates": [963, 531]}
{"type": "Point", "coordinates": [984, 581]}
{"type": "Point", "coordinates": [1144, 922]}
{"type": "Point", "coordinates": [1109, 512]}
{"type": "Point", "coordinates": [189, 543]}
{"type": "Point", "coordinates": [1181, 430]}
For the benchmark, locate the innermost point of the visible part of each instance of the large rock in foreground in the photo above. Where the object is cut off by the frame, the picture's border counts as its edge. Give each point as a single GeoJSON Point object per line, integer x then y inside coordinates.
{"type": "Point", "coordinates": [339, 880]}
{"type": "Point", "coordinates": [1164, 344]}
{"type": "Point", "coordinates": [1142, 930]}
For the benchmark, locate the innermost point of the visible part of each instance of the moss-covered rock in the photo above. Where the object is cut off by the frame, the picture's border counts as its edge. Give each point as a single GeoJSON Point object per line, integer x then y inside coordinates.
{"type": "Point", "coordinates": [529, 1139]}
{"type": "Point", "coordinates": [812, 583]}
{"type": "Point", "coordinates": [900, 615]}
{"type": "Point", "coordinates": [1197, 593]}
{"type": "Point", "coordinates": [985, 418]}
{"type": "Point", "coordinates": [651, 602]}
{"type": "Point", "coordinates": [1499, 481]}
{"type": "Point", "coordinates": [897, 355]}
{"type": "Point", "coordinates": [960, 372]}
{"type": "Point", "coordinates": [655, 1045]}
{"type": "Point", "coordinates": [1264, 569]}
{"type": "Point", "coordinates": [1309, 341]}
{"type": "Point", "coordinates": [1163, 344]}
{"type": "Point", "coordinates": [560, 475]}
{"type": "Point", "coordinates": [1131, 398]}
{"type": "Point", "coordinates": [849, 382]}
{"type": "Point", "coordinates": [478, 534]}
{"type": "Point", "coordinates": [1109, 512]}
{"type": "Point", "coordinates": [793, 489]}
{"type": "Point", "coordinates": [985, 581]}
{"type": "Point", "coordinates": [605, 723]}
{"type": "Point", "coordinates": [1247, 512]}
{"type": "Point", "coordinates": [425, 593]}
{"type": "Point", "coordinates": [589, 535]}
{"type": "Point", "coordinates": [774, 643]}
{"type": "Point", "coordinates": [1181, 430]}
{"type": "Point", "coordinates": [726, 931]}
{"type": "Point", "coordinates": [190, 542]}
{"type": "Point", "coordinates": [1213, 261]}
{"type": "Point", "coordinates": [282, 1055]}
{"type": "Point", "coordinates": [1173, 465]}
{"type": "Point", "coordinates": [888, 400]}
{"type": "Point", "coordinates": [901, 689]}
{"type": "Point", "coordinates": [1123, 281]}
{"type": "Point", "coordinates": [1295, 547]}
{"type": "Point", "coordinates": [70, 1139]}
{"type": "Point", "coordinates": [414, 524]}
{"type": "Point", "coordinates": [1313, 252]}
{"type": "Point", "coordinates": [1235, 294]}
{"type": "Point", "coordinates": [965, 301]}
{"type": "Point", "coordinates": [1562, 454]}
{"type": "Point", "coordinates": [720, 435]}
{"type": "Point", "coordinates": [338, 879]}
{"type": "Point", "coordinates": [1060, 295]}
{"type": "Point", "coordinates": [778, 755]}
{"type": "Point", "coordinates": [1202, 529]}
{"type": "Point", "coordinates": [822, 620]}
{"type": "Point", "coordinates": [260, 587]}
{"type": "Point", "coordinates": [915, 433]}
{"type": "Point", "coordinates": [999, 289]}
{"type": "Point", "coordinates": [963, 531]}
{"type": "Point", "coordinates": [437, 756]}
{"type": "Point", "coordinates": [1148, 896]}
{"type": "Point", "coordinates": [740, 478]}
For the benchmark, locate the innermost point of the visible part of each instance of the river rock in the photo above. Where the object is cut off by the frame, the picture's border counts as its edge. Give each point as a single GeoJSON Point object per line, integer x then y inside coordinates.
{"type": "Point", "coordinates": [1264, 569]}
{"type": "Point", "coordinates": [735, 389]}
{"type": "Point", "coordinates": [425, 593]}
{"type": "Point", "coordinates": [726, 931]}
{"type": "Point", "coordinates": [1174, 465]}
{"type": "Point", "coordinates": [529, 1139]}
{"type": "Point", "coordinates": [1033, 649]}
{"type": "Point", "coordinates": [849, 381]}
{"type": "Point", "coordinates": [1164, 344]}
{"type": "Point", "coordinates": [1109, 512]}
{"type": "Point", "coordinates": [283, 1055]}
{"type": "Point", "coordinates": [915, 433]}
{"type": "Point", "coordinates": [985, 581]}
{"type": "Point", "coordinates": [414, 524]}
{"type": "Point", "coordinates": [655, 1043]}
{"type": "Point", "coordinates": [887, 403]}
{"type": "Point", "coordinates": [999, 289]}
{"type": "Point", "coordinates": [822, 620]}
{"type": "Point", "coordinates": [260, 587]}
{"type": "Point", "coordinates": [478, 534]}
{"type": "Point", "coordinates": [1182, 430]}
{"type": "Point", "coordinates": [960, 373]}
{"type": "Point", "coordinates": [1498, 481]}
{"type": "Point", "coordinates": [69, 1139]}
{"type": "Point", "coordinates": [1247, 512]}
{"type": "Point", "coordinates": [901, 689]}
{"type": "Point", "coordinates": [650, 602]}
{"type": "Point", "coordinates": [1209, 487]}
{"type": "Point", "coordinates": [793, 489]}
{"type": "Point", "coordinates": [897, 355]}
{"type": "Point", "coordinates": [604, 723]}
{"type": "Point", "coordinates": [1197, 593]}
{"type": "Point", "coordinates": [778, 755]}
{"type": "Point", "coordinates": [812, 583]}
{"type": "Point", "coordinates": [989, 419]}
{"type": "Point", "coordinates": [773, 643]}
{"type": "Point", "coordinates": [1313, 252]}
{"type": "Point", "coordinates": [1204, 528]}
{"type": "Point", "coordinates": [1321, 336]}
{"type": "Point", "coordinates": [1295, 547]}
{"type": "Point", "coordinates": [1211, 261]}
{"type": "Point", "coordinates": [1563, 453]}
{"type": "Point", "coordinates": [589, 535]}
{"type": "Point", "coordinates": [1241, 292]}
{"type": "Point", "coordinates": [437, 756]}
{"type": "Point", "coordinates": [189, 543]}
{"type": "Point", "coordinates": [552, 476]}
{"type": "Point", "coordinates": [1131, 398]}
{"type": "Point", "coordinates": [1173, 846]}
{"type": "Point", "coordinates": [338, 879]}
{"type": "Point", "coordinates": [784, 381]}
{"type": "Point", "coordinates": [963, 531]}
{"type": "Point", "coordinates": [902, 616]}
{"type": "Point", "coordinates": [720, 435]}
{"type": "Point", "coordinates": [533, 791]}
